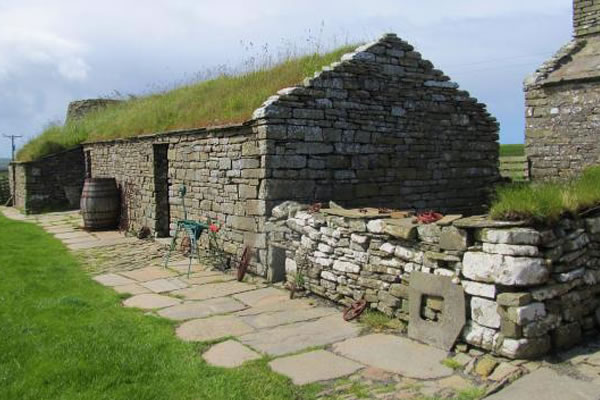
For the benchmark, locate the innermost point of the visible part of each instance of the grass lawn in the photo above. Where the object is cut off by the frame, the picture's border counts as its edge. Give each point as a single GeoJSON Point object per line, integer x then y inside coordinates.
{"type": "Point", "coordinates": [65, 337]}
{"type": "Point", "coordinates": [512, 150]}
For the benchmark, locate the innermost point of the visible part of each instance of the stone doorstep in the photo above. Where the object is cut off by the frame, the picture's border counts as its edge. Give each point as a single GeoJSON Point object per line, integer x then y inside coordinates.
{"type": "Point", "coordinates": [314, 366]}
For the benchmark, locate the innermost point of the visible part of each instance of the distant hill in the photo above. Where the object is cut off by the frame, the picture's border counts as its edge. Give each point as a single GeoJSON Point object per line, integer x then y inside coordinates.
{"type": "Point", "coordinates": [4, 163]}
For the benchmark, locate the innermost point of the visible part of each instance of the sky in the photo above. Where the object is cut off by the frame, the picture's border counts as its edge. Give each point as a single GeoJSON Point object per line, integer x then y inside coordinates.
{"type": "Point", "coordinates": [54, 52]}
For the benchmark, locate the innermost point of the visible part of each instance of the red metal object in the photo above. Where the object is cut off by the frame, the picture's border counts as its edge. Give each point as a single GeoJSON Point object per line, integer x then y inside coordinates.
{"type": "Point", "coordinates": [315, 208]}
{"type": "Point", "coordinates": [244, 262]}
{"type": "Point", "coordinates": [355, 310]}
{"type": "Point", "coordinates": [428, 217]}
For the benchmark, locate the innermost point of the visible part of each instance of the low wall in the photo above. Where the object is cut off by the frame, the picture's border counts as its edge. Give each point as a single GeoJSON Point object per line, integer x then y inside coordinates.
{"type": "Point", "coordinates": [4, 187]}
{"type": "Point", "coordinates": [40, 185]}
{"type": "Point", "coordinates": [527, 290]}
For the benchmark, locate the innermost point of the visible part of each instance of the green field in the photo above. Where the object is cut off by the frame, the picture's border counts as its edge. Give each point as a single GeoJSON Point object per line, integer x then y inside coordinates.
{"type": "Point", "coordinates": [512, 150]}
{"type": "Point", "coordinates": [221, 101]}
{"type": "Point", "coordinates": [63, 336]}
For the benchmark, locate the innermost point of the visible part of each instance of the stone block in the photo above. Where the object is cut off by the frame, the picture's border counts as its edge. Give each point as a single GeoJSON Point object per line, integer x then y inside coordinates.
{"type": "Point", "coordinates": [526, 236]}
{"type": "Point", "coordinates": [479, 289]}
{"type": "Point", "coordinates": [276, 268]}
{"type": "Point", "coordinates": [442, 334]}
{"type": "Point", "coordinates": [567, 336]}
{"type": "Point", "coordinates": [485, 312]}
{"type": "Point", "coordinates": [452, 238]}
{"type": "Point", "coordinates": [504, 270]}
{"type": "Point", "coordinates": [525, 348]}
{"type": "Point", "coordinates": [526, 314]}
{"type": "Point", "coordinates": [403, 229]}
{"type": "Point", "coordinates": [511, 249]}
{"type": "Point", "coordinates": [514, 299]}
{"type": "Point", "coordinates": [345, 266]}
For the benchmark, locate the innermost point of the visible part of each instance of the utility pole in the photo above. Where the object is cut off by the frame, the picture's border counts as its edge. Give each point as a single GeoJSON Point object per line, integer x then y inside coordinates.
{"type": "Point", "coordinates": [12, 140]}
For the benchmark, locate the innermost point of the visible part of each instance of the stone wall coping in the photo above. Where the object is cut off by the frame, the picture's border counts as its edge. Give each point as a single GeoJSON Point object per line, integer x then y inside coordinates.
{"type": "Point", "coordinates": [177, 132]}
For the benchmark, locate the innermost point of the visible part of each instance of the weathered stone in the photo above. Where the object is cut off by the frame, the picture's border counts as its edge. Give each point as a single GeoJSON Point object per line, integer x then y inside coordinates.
{"type": "Point", "coordinates": [401, 228]}
{"type": "Point", "coordinates": [441, 334]}
{"type": "Point", "coordinates": [212, 290]}
{"type": "Point", "coordinates": [376, 226]}
{"type": "Point", "coordinates": [546, 384]}
{"type": "Point", "coordinates": [514, 299]}
{"type": "Point", "coordinates": [515, 236]}
{"type": "Point", "coordinates": [314, 366]}
{"type": "Point", "coordinates": [148, 274]}
{"type": "Point", "coordinates": [453, 238]}
{"type": "Point", "coordinates": [391, 352]}
{"type": "Point", "coordinates": [294, 337]}
{"type": "Point", "coordinates": [485, 366]}
{"type": "Point", "coordinates": [213, 328]}
{"type": "Point", "coordinates": [201, 309]}
{"type": "Point", "coordinates": [504, 270]}
{"type": "Point", "coordinates": [345, 266]}
{"type": "Point", "coordinates": [480, 336]}
{"type": "Point", "coordinates": [479, 289]}
{"type": "Point", "coordinates": [526, 314]}
{"type": "Point", "coordinates": [504, 371]}
{"type": "Point", "coordinates": [511, 249]}
{"type": "Point", "coordinates": [113, 280]}
{"type": "Point", "coordinates": [229, 354]}
{"type": "Point", "coordinates": [525, 348]}
{"type": "Point", "coordinates": [150, 301]}
{"type": "Point", "coordinates": [484, 312]}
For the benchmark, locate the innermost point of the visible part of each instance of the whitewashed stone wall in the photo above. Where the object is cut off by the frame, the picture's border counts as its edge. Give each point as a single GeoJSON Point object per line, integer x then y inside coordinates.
{"type": "Point", "coordinates": [529, 290]}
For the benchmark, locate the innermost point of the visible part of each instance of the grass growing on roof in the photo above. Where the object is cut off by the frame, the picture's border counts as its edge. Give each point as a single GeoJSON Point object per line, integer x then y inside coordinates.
{"type": "Point", "coordinates": [546, 202]}
{"type": "Point", "coordinates": [221, 101]}
{"type": "Point", "coordinates": [64, 336]}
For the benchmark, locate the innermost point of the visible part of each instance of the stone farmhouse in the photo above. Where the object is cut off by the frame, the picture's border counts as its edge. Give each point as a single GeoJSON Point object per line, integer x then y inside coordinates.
{"type": "Point", "coordinates": [562, 102]}
{"type": "Point", "coordinates": [381, 127]}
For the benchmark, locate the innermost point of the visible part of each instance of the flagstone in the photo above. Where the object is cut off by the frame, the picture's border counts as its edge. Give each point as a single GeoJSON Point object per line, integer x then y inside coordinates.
{"type": "Point", "coordinates": [201, 309]}
{"type": "Point", "coordinates": [132, 288]}
{"type": "Point", "coordinates": [213, 328]}
{"type": "Point", "coordinates": [396, 354]}
{"type": "Point", "coordinates": [113, 280]}
{"type": "Point", "coordinates": [212, 290]}
{"type": "Point", "coordinates": [314, 366]}
{"type": "Point", "coordinates": [283, 317]}
{"type": "Point", "coordinates": [262, 297]}
{"type": "Point", "coordinates": [150, 301]}
{"type": "Point", "coordinates": [301, 335]}
{"type": "Point", "coordinates": [164, 285]}
{"type": "Point", "coordinates": [148, 274]}
{"type": "Point", "coordinates": [229, 354]}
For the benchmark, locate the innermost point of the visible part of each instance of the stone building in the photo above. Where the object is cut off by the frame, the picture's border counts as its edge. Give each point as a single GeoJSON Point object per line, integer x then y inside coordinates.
{"type": "Point", "coordinates": [381, 127]}
{"type": "Point", "coordinates": [562, 102]}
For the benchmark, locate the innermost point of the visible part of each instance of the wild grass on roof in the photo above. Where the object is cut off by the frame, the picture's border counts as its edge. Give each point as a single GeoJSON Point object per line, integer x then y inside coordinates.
{"type": "Point", "coordinates": [221, 101]}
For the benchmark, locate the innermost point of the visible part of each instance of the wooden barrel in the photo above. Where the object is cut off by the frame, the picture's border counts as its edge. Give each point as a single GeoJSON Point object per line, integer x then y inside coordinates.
{"type": "Point", "coordinates": [100, 206]}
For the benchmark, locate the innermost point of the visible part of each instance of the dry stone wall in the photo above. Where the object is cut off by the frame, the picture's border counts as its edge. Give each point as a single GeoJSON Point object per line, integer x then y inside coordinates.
{"type": "Point", "coordinates": [222, 170]}
{"type": "Point", "coordinates": [381, 127]}
{"type": "Point", "coordinates": [586, 17]}
{"type": "Point", "coordinates": [528, 290]}
{"type": "Point", "coordinates": [40, 185]}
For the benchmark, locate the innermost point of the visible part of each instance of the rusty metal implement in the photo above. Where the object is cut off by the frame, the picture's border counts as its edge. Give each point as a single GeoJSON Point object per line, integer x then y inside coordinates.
{"type": "Point", "coordinates": [355, 310]}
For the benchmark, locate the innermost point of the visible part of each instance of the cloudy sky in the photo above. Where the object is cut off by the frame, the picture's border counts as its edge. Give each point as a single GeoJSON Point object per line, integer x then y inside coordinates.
{"type": "Point", "coordinates": [53, 52]}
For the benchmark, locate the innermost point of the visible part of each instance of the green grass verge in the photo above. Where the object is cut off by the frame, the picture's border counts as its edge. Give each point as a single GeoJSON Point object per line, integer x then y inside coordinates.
{"type": "Point", "coordinates": [224, 100]}
{"type": "Point", "coordinates": [547, 202]}
{"type": "Point", "coordinates": [512, 150]}
{"type": "Point", "coordinates": [65, 337]}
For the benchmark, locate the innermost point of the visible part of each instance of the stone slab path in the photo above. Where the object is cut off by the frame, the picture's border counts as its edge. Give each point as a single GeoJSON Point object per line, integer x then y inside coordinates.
{"type": "Point", "coordinates": [306, 339]}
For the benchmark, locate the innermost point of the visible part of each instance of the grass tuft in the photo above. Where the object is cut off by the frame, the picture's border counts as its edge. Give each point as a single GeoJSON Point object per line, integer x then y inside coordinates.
{"type": "Point", "coordinates": [547, 202]}
{"type": "Point", "coordinates": [452, 363]}
{"type": "Point", "coordinates": [228, 99]}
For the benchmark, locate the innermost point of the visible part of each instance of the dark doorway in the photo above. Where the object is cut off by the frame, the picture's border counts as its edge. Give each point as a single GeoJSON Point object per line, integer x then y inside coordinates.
{"type": "Point", "coordinates": [161, 189]}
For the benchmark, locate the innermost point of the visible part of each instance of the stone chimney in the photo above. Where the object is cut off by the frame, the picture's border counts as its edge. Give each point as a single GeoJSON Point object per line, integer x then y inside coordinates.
{"type": "Point", "coordinates": [586, 18]}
